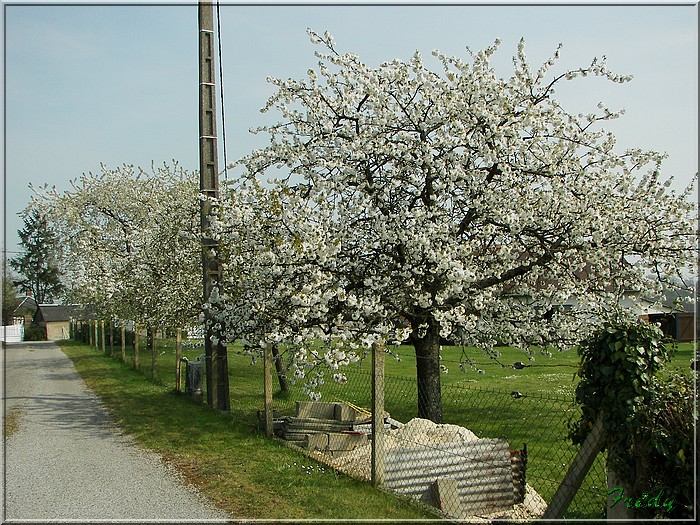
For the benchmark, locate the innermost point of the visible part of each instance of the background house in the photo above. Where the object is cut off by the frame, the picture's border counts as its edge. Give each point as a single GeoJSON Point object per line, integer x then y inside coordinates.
{"type": "Point", "coordinates": [55, 319]}
{"type": "Point", "coordinates": [24, 313]}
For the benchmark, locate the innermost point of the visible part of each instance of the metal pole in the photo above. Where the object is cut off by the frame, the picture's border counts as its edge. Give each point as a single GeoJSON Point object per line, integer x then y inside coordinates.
{"type": "Point", "coordinates": [216, 358]}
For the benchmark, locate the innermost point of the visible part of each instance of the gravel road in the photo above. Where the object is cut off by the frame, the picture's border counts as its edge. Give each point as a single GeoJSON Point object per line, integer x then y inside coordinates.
{"type": "Point", "coordinates": [68, 462]}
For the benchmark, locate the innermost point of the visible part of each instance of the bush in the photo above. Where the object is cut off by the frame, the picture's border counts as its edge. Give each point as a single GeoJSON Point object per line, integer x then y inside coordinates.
{"type": "Point", "coordinates": [34, 333]}
{"type": "Point", "coordinates": [663, 444]}
{"type": "Point", "coordinates": [648, 420]}
{"type": "Point", "coordinates": [618, 365]}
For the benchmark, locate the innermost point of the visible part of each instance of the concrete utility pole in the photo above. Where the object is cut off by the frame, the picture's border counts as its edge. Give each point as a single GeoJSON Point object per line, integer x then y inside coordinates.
{"type": "Point", "coordinates": [216, 355]}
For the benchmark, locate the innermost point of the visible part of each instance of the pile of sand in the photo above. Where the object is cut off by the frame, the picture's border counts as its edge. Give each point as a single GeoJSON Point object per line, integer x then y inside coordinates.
{"type": "Point", "coordinates": [417, 432]}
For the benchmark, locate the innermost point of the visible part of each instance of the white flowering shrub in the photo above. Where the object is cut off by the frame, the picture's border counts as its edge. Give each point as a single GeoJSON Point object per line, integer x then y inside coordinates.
{"type": "Point", "coordinates": [458, 204]}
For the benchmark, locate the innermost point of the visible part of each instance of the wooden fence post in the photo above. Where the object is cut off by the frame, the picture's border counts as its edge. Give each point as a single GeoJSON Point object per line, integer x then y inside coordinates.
{"type": "Point", "coordinates": [619, 510]}
{"type": "Point", "coordinates": [267, 385]}
{"type": "Point", "coordinates": [136, 346]}
{"type": "Point", "coordinates": [377, 414]}
{"type": "Point", "coordinates": [178, 351]}
{"type": "Point", "coordinates": [590, 448]}
{"type": "Point", "coordinates": [122, 331]}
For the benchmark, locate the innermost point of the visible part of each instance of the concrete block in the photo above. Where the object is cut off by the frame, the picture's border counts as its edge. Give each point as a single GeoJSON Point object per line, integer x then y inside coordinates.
{"type": "Point", "coordinates": [445, 496]}
{"type": "Point", "coordinates": [315, 410]}
{"type": "Point", "coordinates": [344, 413]}
{"type": "Point", "coordinates": [338, 442]}
{"type": "Point", "coordinates": [317, 441]}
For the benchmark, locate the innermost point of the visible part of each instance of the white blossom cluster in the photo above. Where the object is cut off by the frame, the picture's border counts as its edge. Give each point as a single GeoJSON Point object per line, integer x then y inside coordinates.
{"type": "Point", "coordinates": [457, 204]}
{"type": "Point", "coordinates": [131, 244]}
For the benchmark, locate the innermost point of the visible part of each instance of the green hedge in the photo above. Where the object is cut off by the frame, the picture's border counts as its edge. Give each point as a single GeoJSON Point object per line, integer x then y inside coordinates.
{"type": "Point", "coordinates": [35, 333]}
{"type": "Point", "coordinates": [663, 444]}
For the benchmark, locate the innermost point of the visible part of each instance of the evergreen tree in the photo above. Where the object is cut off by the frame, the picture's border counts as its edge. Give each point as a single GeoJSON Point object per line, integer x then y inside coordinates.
{"type": "Point", "coordinates": [10, 300]}
{"type": "Point", "coordinates": [38, 265]}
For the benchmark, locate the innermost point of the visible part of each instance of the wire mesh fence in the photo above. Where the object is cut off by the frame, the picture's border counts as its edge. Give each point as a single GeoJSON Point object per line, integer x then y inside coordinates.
{"type": "Point", "coordinates": [496, 454]}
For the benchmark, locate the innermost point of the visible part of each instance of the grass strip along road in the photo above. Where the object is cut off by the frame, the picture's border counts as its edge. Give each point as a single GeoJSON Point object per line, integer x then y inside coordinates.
{"type": "Point", "coordinates": [234, 465]}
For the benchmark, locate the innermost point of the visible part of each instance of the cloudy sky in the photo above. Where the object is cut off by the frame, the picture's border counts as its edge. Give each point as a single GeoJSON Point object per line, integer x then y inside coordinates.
{"type": "Point", "coordinates": [92, 84]}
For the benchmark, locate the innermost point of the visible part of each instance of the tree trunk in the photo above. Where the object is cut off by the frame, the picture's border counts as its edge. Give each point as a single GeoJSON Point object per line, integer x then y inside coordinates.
{"type": "Point", "coordinates": [279, 367]}
{"type": "Point", "coordinates": [428, 374]}
{"type": "Point", "coordinates": [111, 337]}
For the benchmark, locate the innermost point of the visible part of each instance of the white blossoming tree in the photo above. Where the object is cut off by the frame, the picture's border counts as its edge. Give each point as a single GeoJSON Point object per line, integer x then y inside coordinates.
{"type": "Point", "coordinates": [275, 257]}
{"type": "Point", "coordinates": [453, 204]}
{"type": "Point", "coordinates": [130, 243]}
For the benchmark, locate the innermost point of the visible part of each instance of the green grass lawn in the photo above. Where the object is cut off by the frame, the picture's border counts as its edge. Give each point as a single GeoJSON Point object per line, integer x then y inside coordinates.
{"type": "Point", "coordinates": [481, 402]}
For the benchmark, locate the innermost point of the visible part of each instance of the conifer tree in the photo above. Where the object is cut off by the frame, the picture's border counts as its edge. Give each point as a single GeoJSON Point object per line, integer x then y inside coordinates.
{"type": "Point", "coordinates": [38, 264]}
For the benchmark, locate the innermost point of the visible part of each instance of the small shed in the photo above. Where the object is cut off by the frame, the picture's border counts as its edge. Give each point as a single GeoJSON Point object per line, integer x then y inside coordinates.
{"type": "Point", "coordinates": [55, 319]}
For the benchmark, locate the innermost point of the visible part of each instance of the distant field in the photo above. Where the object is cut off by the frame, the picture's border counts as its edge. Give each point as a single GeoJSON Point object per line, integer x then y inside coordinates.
{"type": "Point", "coordinates": [543, 375]}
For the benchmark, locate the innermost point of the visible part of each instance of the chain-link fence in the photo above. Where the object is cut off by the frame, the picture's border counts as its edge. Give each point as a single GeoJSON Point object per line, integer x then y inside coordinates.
{"type": "Point", "coordinates": [497, 453]}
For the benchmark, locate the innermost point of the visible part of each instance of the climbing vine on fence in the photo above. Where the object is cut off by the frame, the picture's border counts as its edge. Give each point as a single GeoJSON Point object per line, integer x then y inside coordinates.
{"type": "Point", "coordinates": [618, 366]}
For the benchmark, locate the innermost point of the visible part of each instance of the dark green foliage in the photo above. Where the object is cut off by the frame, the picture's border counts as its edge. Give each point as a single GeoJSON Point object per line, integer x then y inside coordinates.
{"type": "Point", "coordinates": [10, 301]}
{"type": "Point", "coordinates": [38, 265]}
{"type": "Point", "coordinates": [35, 333]}
{"type": "Point", "coordinates": [648, 422]}
{"type": "Point", "coordinates": [618, 364]}
{"type": "Point", "coordinates": [663, 444]}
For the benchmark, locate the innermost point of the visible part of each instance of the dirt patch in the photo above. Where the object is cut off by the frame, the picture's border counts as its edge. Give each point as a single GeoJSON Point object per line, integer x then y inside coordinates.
{"type": "Point", "coordinates": [12, 422]}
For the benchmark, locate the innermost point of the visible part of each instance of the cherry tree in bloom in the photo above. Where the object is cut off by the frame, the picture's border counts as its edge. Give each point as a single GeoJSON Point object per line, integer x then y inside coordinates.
{"type": "Point", "coordinates": [452, 204]}
{"type": "Point", "coordinates": [130, 242]}
{"type": "Point", "coordinates": [274, 256]}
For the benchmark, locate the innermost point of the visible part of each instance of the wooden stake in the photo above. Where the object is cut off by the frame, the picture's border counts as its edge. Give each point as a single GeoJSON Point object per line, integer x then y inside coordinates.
{"type": "Point", "coordinates": [590, 448]}
{"type": "Point", "coordinates": [267, 381]}
{"type": "Point", "coordinates": [178, 351]}
{"type": "Point", "coordinates": [377, 414]}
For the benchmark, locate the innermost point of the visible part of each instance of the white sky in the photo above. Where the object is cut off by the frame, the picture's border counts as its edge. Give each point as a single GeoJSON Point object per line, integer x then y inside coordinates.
{"type": "Point", "coordinates": [91, 84]}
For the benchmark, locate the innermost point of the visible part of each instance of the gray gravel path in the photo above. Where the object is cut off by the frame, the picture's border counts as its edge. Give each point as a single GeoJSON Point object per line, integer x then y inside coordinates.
{"type": "Point", "coordinates": [68, 462]}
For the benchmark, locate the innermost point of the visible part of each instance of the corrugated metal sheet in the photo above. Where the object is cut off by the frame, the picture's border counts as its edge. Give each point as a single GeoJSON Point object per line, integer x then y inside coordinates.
{"type": "Point", "coordinates": [481, 470]}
